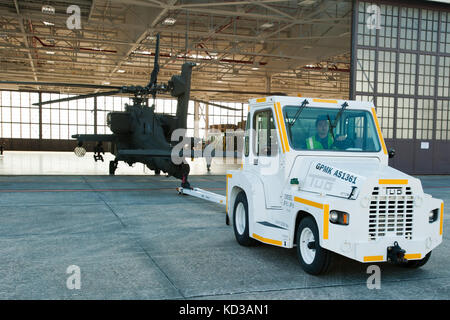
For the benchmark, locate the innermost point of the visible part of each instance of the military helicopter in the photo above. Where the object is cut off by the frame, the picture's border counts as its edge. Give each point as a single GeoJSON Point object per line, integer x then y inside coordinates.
{"type": "Point", "coordinates": [138, 133]}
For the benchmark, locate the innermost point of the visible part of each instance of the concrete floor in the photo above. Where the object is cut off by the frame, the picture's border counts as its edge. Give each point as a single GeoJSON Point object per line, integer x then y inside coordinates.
{"type": "Point", "coordinates": [134, 237]}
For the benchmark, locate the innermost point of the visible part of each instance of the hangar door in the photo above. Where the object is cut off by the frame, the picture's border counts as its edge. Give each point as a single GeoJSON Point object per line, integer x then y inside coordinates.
{"type": "Point", "coordinates": [401, 62]}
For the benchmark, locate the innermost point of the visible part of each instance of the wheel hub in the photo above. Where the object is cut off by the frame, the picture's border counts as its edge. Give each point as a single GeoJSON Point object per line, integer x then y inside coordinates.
{"type": "Point", "coordinates": [307, 245]}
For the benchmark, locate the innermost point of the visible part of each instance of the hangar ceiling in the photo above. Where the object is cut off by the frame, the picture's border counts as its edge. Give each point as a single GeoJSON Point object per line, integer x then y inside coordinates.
{"type": "Point", "coordinates": [295, 47]}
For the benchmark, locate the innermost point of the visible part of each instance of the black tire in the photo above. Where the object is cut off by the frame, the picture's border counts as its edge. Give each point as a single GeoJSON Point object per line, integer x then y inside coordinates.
{"type": "Point", "coordinates": [322, 259]}
{"type": "Point", "coordinates": [112, 167]}
{"type": "Point", "coordinates": [413, 264]}
{"type": "Point", "coordinates": [243, 237]}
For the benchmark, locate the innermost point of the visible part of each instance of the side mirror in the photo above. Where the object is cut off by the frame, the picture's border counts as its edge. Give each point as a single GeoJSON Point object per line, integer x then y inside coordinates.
{"type": "Point", "coordinates": [391, 153]}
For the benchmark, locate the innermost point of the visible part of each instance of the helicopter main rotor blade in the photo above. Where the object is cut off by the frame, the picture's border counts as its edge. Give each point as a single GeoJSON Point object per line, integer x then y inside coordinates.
{"type": "Point", "coordinates": [82, 96]}
{"type": "Point", "coordinates": [61, 84]}
{"type": "Point", "coordinates": [216, 105]}
{"type": "Point", "coordinates": [242, 92]}
{"type": "Point", "coordinates": [155, 71]}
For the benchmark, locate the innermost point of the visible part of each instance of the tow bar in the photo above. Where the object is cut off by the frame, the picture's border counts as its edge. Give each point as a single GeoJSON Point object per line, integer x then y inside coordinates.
{"type": "Point", "coordinates": [206, 195]}
{"type": "Point", "coordinates": [395, 254]}
{"type": "Point", "coordinates": [202, 194]}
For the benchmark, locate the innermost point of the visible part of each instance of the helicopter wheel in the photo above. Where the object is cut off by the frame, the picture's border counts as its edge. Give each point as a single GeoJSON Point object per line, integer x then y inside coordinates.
{"type": "Point", "coordinates": [112, 167]}
{"type": "Point", "coordinates": [157, 172]}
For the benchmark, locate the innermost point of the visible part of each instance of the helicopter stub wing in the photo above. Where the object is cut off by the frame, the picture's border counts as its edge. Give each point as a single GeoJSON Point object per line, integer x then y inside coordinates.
{"type": "Point", "coordinates": [94, 137]}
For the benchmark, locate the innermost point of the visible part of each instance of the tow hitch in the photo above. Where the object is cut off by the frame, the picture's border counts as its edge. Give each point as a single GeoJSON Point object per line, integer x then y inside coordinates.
{"type": "Point", "coordinates": [395, 254]}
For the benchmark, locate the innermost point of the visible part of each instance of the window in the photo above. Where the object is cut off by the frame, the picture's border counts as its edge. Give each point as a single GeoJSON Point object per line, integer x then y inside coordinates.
{"type": "Point", "coordinates": [404, 67]}
{"type": "Point", "coordinates": [389, 21]}
{"type": "Point", "coordinates": [406, 74]}
{"type": "Point", "coordinates": [354, 130]}
{"type": "Point", "coordinates": [443, 77]}
{"type": "Point", "coordinates": [429, 21]}
{"type": "Point", "coordinates": [443, 120]}
{"type": "Point", "coordinates": [386, 72]}
{"type": "Point", "coordinates": [385, 113]}
{"type": "Point", "coordinates": [405, 118]}
{"type": "Point", "coordinates": [366, 36]}
{"type": "Point", "coordinates": [265, 142]}
{"type": "Point", "coordinates": [426, 76]}
{"type": "Point", "coordinates": [246, 139]}
{"type": "Point", "coordinates": [444, 46]}
{"type": "Point", "coordinates": [425, 109]}
{"type": "Point", "coordinates": [19, 118]}
{"type": "Point", "coordinates": [365, 71]}
{"type": "Point", "coordinates": [409, 28]}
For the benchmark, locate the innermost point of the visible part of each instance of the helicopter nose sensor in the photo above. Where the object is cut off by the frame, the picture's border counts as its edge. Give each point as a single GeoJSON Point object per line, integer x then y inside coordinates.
{"type": "Point", "coordinates": [80, 151]}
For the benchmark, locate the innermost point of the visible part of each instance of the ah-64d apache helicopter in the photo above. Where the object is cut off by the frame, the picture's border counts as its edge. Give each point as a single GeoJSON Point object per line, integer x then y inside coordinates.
{"type": "Point", "coordinates": [138, 133]}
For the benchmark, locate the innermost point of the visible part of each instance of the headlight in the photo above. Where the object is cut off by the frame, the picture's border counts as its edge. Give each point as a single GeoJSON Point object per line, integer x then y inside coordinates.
{"type": "Point", "coordinates": [433, 215]}
{"type": "Point", "coordinates": [339, 217]}
{"type": "Point", "coordinates": [334, 216]}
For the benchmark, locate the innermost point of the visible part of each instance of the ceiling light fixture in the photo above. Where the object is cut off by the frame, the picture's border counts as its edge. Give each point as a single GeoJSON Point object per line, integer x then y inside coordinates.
{"type": "Point", "coordinates": [142, 52]}
{"type": "Point", "coordinates": [121, 71]}
{"type": "Point", "coordinates": [169, 21]}
{"type": "Point", "coordinates": [48, 9]}
{"type": "Point", "coordinates": [267, 25]}
{"type": "Point", "coordinates": [306, 2]}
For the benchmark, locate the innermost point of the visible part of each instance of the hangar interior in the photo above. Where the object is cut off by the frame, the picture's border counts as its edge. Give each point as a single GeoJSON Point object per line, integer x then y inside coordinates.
{"type": "Point", "coordinates": [292, 47]}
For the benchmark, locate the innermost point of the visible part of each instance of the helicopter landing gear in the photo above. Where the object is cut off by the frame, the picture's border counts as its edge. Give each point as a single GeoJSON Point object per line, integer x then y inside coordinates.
{"type": "Point", "coordinates": [185, 169]}
{"type": "Point", "coordinates": [112, 167]}
{"type": "Point", "coordinates": [208, 164]}
{"type": "Point", "coordinates": [98, 150]}
{"type": "Point", "coordinates": [157, 172]}
{"type": "Point", "coordinates": [184, 183]}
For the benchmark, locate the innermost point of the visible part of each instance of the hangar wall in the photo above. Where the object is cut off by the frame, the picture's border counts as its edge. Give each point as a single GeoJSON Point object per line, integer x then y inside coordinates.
{"type": "Point", "coordinates": [401, 61]}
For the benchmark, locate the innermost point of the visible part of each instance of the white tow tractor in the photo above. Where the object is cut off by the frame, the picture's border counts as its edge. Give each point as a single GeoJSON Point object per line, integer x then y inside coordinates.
{"type": "Point", "coordinates": [315, 176]}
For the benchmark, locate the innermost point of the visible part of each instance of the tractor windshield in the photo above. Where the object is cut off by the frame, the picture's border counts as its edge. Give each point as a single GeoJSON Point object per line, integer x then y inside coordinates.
{"type": "Point", "coordinates": [329, 129]}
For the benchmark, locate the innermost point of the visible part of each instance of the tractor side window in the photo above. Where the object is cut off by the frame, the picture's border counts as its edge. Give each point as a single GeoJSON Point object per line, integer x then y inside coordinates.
{"type": "Point", "coordinates": [266, 140]}
{"type": "Point", "coordinates": [246, 137]}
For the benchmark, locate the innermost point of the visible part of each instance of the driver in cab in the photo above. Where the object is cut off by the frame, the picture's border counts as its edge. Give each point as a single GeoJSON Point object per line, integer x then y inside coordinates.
{"type": "Point", "coordinates": [323, 139]}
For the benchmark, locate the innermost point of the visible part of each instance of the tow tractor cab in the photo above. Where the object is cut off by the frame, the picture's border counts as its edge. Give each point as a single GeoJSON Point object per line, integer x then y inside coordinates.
{"type": "Point", "coordinates": [315, 176]}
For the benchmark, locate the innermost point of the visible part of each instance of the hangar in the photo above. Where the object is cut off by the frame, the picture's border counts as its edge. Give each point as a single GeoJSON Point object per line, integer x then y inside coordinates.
{"type": "Point", "coordinates": [293, 47]}
{"type": "Point", "coordinates": [394, 53]}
